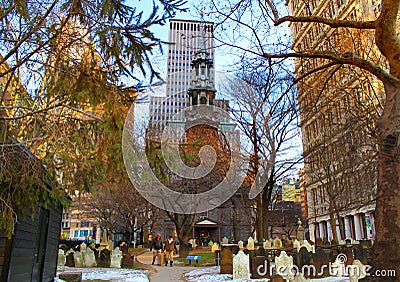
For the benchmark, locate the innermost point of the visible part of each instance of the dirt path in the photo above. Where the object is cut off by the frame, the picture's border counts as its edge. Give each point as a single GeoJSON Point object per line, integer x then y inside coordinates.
{"type": "Point", "coordinates": [164, 273]}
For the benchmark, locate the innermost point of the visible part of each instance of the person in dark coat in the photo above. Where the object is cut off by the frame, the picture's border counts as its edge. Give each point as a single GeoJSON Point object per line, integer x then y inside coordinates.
{"type": "Point", "coordinates": [157, 245]}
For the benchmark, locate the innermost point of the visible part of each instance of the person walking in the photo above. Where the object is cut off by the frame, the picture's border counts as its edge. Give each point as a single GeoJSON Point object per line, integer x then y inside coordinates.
{"type": "Point", "coordinates": [169, 251]}
{"type": "Point", "coordinates": [157, 245]}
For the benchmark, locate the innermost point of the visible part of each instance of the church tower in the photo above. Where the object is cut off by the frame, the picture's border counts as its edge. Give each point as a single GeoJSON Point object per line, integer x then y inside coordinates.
{"type": "Point", "coordinates": [202, 89]}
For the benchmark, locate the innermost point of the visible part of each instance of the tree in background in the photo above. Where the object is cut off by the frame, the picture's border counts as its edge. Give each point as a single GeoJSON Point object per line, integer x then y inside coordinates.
{"type": "Point", "coordinates": [258, 17]}
{"type": "Point", "coordinates": [264, 108]}
{"type": "Point", "coordinates": [69, 72]}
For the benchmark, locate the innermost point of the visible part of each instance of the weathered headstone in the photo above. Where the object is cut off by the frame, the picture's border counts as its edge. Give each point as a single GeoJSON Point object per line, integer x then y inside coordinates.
{"type": "Point", "coordinates": [284, 265]}
{"type": "Point", "coordinates": [116, 258]}
{"type": "Point", "coordinates": [338, 267]}
{"type": "Point", "coordinates": [82, 247]}
{"type": "Point", "coordinates": [277, 243]}
{"type": "Point", "coordinates": [308, 246]}
{"type": "Point", "coordinates": [69, 261]}
{"type": "Point", "coordinates": [357, 271]}
{"type": "Point", "coordinates": [78, 259]}
{"type": "Point", "coordinates": [61, 258]}
{"type": "Point", "coordinates": [105, 255]}
{"type": "Point", "coordinates": [321, 258]}
{"type": "Point", "coordinates": [250, 244]}
{"type": "Point", "coordinates": [240, 244]}
{"type": "Point", "coordinates": [71, 276]}
{"type": "Point", "coordinates": [267, 244]}
{"type": "Point", "coordinates": [226, 261]}
{"type": "Point", "coordinates": [360, 253]}
{"type": "Point", "coordinates": [303, 257]}
{"type": "Point", "coordinates": [225, 240]}
{"type": "Point", "coordinates": [259, 267]}
{"type": "Point", "coordinates": [241, 266]}
{"type": "Point", "coordinates": [261, 252]}
{"type": "Point", "coordinates": [90, 260]}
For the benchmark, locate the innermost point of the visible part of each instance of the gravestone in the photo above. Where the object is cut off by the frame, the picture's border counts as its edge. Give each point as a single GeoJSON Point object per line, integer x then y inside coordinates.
{"type": "Point", "coordinates": [277, 243]}
{"type": "Point", "coordinates": [70, 276]}
{"type": "Point", "coordinates": [241, 266]}
{"type": "Point", "coordinates": [321, 258]}
{"type": "Point", "coordinates": [105, 255]}
{"type": "Point", "coordinates": [296, 244]}
{"type": "Point", "coordinates": [240, 244]}
{"type": "Point", "coordinates": [69, 260]}
{"type": "Point", "coordinates": [267, 244]}
{"type": "Point", "coordinates": [116, 258]}
{"type": "Point", "coordinates": [357, 271]}
{"type": "Point", "coordinates": [61, 258]}
{"type": "Point", "coordinates": [284, 265]}
{"type": "Point", "coordinates": [308, 246]}
{"type": "Point", "coordinates": [225, 240]}
{"type": "Point", "coordinates": [82, 247]}
{"type": "Point", "coordinates": [259, 267]}
{"type": "Point", "coordinates": [338, 267]}
{"type": "Point", "coordinates": [78, 259]}
{"type": "Point", "coordinates": [261, 252]}
{"type": "Point", "coordinates": [214, 247]}
{"type": "Point", "coordinates": [303, 257]}
{"type": "Point", "coordinates": [88, 256]}
{"type": "Point", "coordinates": [349, 254]}
{"type": "Point", "coordinates": [250, 244]}
{"type": "Point", "coordinates": [360, 253]}
{"type": "Point", "coordinates": [226, 261]}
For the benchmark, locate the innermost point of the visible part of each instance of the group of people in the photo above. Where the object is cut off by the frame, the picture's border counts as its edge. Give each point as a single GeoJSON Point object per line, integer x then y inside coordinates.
{"type": "Point", "coordinates": [161, 248]}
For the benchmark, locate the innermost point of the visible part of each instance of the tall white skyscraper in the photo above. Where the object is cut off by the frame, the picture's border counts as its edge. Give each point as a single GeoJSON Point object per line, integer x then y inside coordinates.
{"type": "Point", "coordinates": [186, 37]}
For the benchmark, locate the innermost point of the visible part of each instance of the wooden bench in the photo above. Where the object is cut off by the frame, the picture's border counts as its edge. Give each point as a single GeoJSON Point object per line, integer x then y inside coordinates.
{"type": "Point", "coordinates": [191, 258]}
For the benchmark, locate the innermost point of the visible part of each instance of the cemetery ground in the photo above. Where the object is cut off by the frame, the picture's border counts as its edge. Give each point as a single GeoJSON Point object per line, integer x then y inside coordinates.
{"type": "Point", "coordinates": [237, 268]}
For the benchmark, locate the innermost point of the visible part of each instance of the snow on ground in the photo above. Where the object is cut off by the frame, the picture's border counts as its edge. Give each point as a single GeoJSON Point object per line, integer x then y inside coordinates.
{"type": "Point", "coordinates": [212, 274]}
{"type": "Point", "coordinates": [107, 274]}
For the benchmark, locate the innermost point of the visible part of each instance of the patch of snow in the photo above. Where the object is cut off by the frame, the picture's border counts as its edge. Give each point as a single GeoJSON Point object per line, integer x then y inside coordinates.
{"type": "Point", "coordinates": [110, 274]}
{"type": "Point", "coordinates": [212, 274]}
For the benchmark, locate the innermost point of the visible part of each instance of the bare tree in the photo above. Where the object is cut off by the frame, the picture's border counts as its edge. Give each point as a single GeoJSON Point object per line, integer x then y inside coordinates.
{"type": "Point", "coordinates": [264, 107]}
{"type": "Point", "coordinates": [383, 28]}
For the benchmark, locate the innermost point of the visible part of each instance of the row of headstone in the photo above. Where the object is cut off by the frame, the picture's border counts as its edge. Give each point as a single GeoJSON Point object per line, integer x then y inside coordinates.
{"type": "Point", "coordinates": [255, 264]}
{"type": "Point", "coordinates": [87, 258]}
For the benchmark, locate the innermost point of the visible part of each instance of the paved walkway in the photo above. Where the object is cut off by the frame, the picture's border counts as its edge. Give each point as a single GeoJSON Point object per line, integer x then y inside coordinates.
{"type": "Point", "coordinates": [164, 273]}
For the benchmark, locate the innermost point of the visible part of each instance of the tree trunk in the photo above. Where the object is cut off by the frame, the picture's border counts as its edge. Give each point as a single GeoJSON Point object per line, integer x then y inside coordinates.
{"type": "Point", "coordinates": [386, 253]}
{"type": "Point", "coordinates": [259, 218]}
